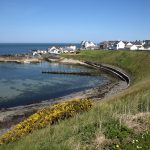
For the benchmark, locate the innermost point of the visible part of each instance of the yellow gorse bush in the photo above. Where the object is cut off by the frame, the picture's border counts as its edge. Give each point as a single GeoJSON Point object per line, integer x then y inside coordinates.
{"type": "Point", "coordinates": [46, 116]}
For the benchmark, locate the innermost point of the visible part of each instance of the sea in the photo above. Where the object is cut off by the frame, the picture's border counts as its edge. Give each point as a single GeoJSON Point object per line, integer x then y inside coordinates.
{"type": "Point", "coordinates": [24, 84]}
{"type": "Point", "coordinates": [19, 48]}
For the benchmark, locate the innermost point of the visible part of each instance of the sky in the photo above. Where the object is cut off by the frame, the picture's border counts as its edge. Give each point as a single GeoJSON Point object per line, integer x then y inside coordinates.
{"type": "Point", "coordinates": [55, 21]}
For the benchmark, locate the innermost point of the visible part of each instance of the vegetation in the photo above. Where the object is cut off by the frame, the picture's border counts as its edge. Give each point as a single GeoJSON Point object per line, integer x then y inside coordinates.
{"type": "Point", "coordinates": [136, 63]}
{"type": "Point", "coordinates": [120, 122]}
{"type": "Point", "coordinates": [44, 117]}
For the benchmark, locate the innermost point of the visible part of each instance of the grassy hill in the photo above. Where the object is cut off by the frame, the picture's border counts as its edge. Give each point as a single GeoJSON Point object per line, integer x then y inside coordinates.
{"type": "Point", "coordinates": [119, 122]}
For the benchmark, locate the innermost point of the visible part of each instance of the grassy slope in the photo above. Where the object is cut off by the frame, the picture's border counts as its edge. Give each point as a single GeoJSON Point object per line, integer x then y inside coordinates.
{"type": "Point", "coordinates": [105, 120]}
{"type": "Point", "coordinates": [133, 62]}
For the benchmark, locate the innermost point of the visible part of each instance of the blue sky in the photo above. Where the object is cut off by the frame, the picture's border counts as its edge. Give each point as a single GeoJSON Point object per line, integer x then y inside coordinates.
{"type": "Point", "coordinates": [34, 21]}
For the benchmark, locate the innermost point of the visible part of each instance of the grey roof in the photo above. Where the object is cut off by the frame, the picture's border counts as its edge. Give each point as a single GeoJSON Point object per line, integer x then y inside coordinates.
{"type": "Point", "coordinates": [138, 43]}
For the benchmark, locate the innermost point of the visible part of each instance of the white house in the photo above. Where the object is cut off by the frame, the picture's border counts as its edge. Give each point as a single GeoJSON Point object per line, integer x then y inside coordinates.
{"type": "Point", "coordinates": [133, 47]}
{"type": "Point", "coordinates": [39, 52]}
{"type": "Point", "coordinates": [128, 45]}
{"type": "Point", "coordinates": [71, 48]}
{"type": "Point", "coordinates": [35, 53]}
{"type": "Point", "coordinates": [147, 48]}
{"type": "Point", "coordinates": [119, 45]}
{"type": "Point", "coordinates": [54, 50]}
{"type": "Point", "coordinates": [88, 45]}
{"type": "Point", "coordinates": [141, 48]}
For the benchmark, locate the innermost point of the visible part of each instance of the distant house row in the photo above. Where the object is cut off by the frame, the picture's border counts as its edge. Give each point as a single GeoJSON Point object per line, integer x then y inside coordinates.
{"type": "Point", "coordinates": [55, 50]}
{"type": "Point", "coordinates": [88, 45]}
{"type": "Point", "coordinates": [118, 45]}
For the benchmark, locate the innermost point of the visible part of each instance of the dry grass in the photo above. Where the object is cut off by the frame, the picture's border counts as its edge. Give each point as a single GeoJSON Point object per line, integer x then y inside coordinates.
{"type": "Point", "coordinates": [137, 122]}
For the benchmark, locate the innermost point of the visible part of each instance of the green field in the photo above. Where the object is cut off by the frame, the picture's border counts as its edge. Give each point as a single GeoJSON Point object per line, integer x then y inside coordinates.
{"type": "Point", "coordinates": [118, 122]}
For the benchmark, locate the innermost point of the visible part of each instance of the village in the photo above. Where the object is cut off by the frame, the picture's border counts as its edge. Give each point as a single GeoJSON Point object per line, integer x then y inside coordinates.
{"type": "Point", "coordinates": [88, 45]}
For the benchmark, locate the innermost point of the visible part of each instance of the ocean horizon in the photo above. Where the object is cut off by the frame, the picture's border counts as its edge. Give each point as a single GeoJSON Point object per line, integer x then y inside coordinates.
{"type": "Point", "coordinates": [20, 48]}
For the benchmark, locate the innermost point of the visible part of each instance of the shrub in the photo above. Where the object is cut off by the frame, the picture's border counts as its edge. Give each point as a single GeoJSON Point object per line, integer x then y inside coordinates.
{"type": "Point", "coordinates": [46, 116]}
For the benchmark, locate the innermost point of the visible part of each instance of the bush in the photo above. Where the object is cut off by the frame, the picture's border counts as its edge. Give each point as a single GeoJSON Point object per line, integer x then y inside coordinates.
{"type": "Point", "coordinates": [46, 116]}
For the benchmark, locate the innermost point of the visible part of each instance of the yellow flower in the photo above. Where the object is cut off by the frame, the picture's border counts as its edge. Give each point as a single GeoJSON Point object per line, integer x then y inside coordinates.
{"type": "Point", "coordinates": [49, 115]}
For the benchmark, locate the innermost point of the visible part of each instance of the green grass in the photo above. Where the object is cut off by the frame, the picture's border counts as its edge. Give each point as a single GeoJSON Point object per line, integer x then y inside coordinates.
{"type": "Point", "coordinates": [136, 63]}
{"type": "Point", "coordinates": [103, 127]}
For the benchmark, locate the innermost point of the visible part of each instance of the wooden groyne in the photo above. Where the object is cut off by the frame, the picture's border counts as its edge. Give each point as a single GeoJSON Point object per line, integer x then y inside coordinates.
{"type": "Point", "coordinates": [72, 73]}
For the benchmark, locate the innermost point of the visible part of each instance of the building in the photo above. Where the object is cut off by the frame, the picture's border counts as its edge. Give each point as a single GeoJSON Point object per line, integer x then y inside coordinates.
{"type": "Point", "coordinates": [71, 49]}
{"type": "Point", "coordinates": [124, 45]}
{"type": "Point", "coordinates": [147, 44]}
{"type": "Point", "coordinates": [128, 45]}
{"type": "Point", "coordinates": [88, 45]}
{"type": "Point", "coordinates": [118, 45]}
{"type": "Point", "coordinates": [104, 45]}
{"type": "Point", "coordinates": [39, 52]}
{"type": "Point", "coordinates": [54, 50]}
{"type": "Point", "coordinates": [133, 47]}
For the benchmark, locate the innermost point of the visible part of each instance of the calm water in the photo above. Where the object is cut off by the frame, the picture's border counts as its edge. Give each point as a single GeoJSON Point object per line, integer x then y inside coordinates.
{"type": "Point", "coordinates": [22, 84]}
{"type": "Point", "coordinates": [10, 48]}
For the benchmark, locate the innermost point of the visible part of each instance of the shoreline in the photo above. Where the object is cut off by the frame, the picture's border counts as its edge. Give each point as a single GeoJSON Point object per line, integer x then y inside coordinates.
{"type": "Point", "coordinates": [9, 117]}
{"type": "Point", "coordinates": [19, 59]}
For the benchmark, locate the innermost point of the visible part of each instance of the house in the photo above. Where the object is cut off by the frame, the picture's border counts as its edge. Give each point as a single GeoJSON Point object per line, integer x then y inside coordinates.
{"type": "Point", "coordinates": [42, 52]}
{"type": "Point", "coordinates": [35, 53]}
{"type": "Point", "coordinates": [111, 45]}
{"type": "Point", "coordinates": [128, 45]}
{"type": "Point", "coordinates": [133, 47]}
{"type": "Point", "coordinates": [147, 42]}
{"type": "Point", "coordinates": [88, 45]}
{"type": "Point", "coordinates": [54, 50]}
{"type": "Point", "coordinates": [146, 48]}
{"type": "Point", "coordinates": [118, 45]}
{"type": "Point", "coordinates": [141, 48]}
{"type": "Point", "coordinates": [139, 43]}
{"type": "Point", "coordinates": [39, 52]}
{"type": "Point", "coordinates": [71, 49]}
{"type": "Point", "coordinates": [137, 47]}
{"type": "Point", "coordinates": [104, 45]}
{"type": "Point", "coordinates": [146, 45]}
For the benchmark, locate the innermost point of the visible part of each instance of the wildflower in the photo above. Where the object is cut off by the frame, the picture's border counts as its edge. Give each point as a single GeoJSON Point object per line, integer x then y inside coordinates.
{"type": "Point", "coordinates": [136, 140]}
{"type": "Point", "coordinates": [44, 117]}
{"type": "Point", "coordinates": [133, 141]}
{"type": "Point", "coordinates": [117, 146]}
{"type": "Point", "coordinates": [138, 147]}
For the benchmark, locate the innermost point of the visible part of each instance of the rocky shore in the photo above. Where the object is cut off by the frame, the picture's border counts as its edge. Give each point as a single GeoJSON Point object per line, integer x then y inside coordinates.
{"type": "Point", "coordinates": [19, 59]}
